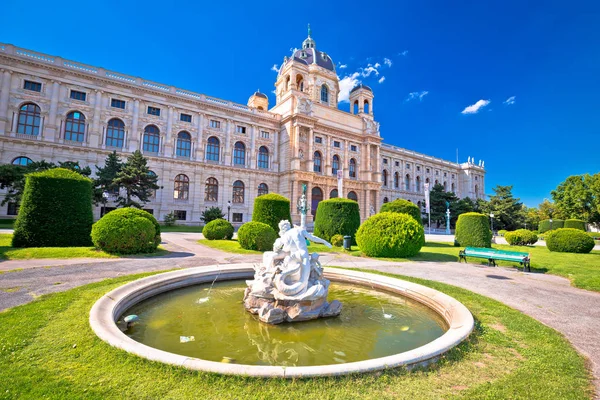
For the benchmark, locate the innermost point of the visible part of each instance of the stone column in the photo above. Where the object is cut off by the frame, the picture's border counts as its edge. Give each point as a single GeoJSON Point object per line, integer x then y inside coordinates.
{"type": "Point", "coordinates": [168, 145]}
{"type": "Point", "coordinates": [346, 162]}
{"type": "Point", "coordinates": [227, 148]}
{"type": "Point", "coordinates": [94, 135]}
{"type": "Point", "coordinates": [275, 166]}
{"type": "Point", "coordinates": [311, 151]}
{"type": "Point", "coordinates": [134, 137]}
{"type": "Point", "coordinates": [199, 146]}
{"type": "Point", "coordinates": [252, 157]}
{"type": "Point", "coordinates": [4, 96]}
{"type": "Point", "coordinates": [327, 161]}
{"type": "Point", "coordinates": [52, 133]}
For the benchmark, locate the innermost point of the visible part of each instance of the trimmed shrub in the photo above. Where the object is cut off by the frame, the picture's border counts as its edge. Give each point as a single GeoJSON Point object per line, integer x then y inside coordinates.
{"type": "Point", "coordinates": [521, 237]}
{"type": "Point", "coordinates": [575, 224]}
{"type": "Point", "coordinates": [218, 229]}
{"type": "Point", "coordinates": [126, 231]}
{"type": "Point", "coordinates": [545, 225]}
{"type": "Point", "coordinates": [390, 234]}
{"type": "Point", "coordinates": [502, 232]}
{"type": "Point", "coordinates": [337, 240]}
{"type": "Point", "coordinates": [337, 217]}
{"type": "Point", "coordinates": [256, 236]}
{"type": "Point", "coordinates": [569, 240]}
{"type": "Point", "coordinates": [594, 235]}
{"type": "Point", "coordinates": [56, 210]}
{"type": "Point", "coordinates": [270, 209]}
{"type": "Point", "coordinates": [403, 206]}
{"type": "Point", "coordinates": [473, 229]}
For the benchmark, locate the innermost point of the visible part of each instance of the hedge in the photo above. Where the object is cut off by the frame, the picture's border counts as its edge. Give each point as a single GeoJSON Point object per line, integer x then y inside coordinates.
{"type": "Point", "coordinates": [126, 231]}
{"type": "Point", "coordinates": [521, 237]}
{"type": "Point", "coordinates": [56, 210]}
{"type": "Point", "coordinates": [337, 216]}
{"type": "Point", "coordinates": [270, 209]}
{"type": "Point", "coordinates": [337, 240]}
{"type": "Point", "coordinates": [502, 232]}
{"type": "Point", "coordinates": [473, 229]}
{"type": "Point", "coordinates": [545, 225]}
{"type": "Point", "coordinates": [390, 234]}
{"type": "Point", "coordinates": [218, 229]}
{"type": "Point", "coordinates": [256, 236]}
{"type": "Point", "coordinates": [569, 240]}
{"type": "Point", "coordinates": [403, 206]}
{"type": "Point", "coordinates": [575, 224]}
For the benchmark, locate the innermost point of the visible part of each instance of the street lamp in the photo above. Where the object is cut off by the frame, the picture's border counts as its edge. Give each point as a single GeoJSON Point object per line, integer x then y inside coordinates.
{"type": "Point", "coordinates": [492, 219]}
{"type": "Point", "coordinates": [228, 209]}
{"type": "Point", "coordinates": [550, 223]}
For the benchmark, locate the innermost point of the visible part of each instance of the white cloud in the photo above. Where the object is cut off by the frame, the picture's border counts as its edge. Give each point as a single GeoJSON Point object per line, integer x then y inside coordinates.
{"type": "Point", "coordinates": [387, 62]}
{"type": "Point", "coordinates": [342, 66]}
{"type": "Point", "coordinates": [377, 65]}
{"type": "Point", "coordinates": [417, 95]}
{"type": "Point", "coordinates": [346, 85]}
{"type": "Point", "coordinates": [475, 108]}
{"type": "Point", "coordinates": [510, 101]}
{"type": "Point", "coordinates": [381, 79]}
{"type": "Point", "coordinates": [275, 68]}
{"type": "Point", "coordinates": [367, 71]}
{"type": "Point", "coordinates": [403, 53]}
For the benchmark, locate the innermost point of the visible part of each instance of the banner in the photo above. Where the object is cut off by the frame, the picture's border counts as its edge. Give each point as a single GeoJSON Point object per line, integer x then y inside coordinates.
{"type": "Point", "coordinates": [426, 187]}
{"type": "Point", "coordinates": [340, 182]}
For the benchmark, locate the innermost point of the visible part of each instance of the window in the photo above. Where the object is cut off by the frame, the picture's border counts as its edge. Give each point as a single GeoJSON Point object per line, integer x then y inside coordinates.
{"type": "Point", "coordinates": [263, 189]}
{"type": "Point", "coordinates": [396, 180]}
{"type": "Point", "coordinates": [384, 177]}
{"type": "Point", "coordinates": [149, 210]}
{"type": "Point", "coordinates": [263, 157]}
{"type": "Point", "coordinates": [239, 154]}
{"type": "Point", "coordinates": [418, 184]}
{"type": "Point", "coordinates": [75, 126]}
{"type": "Point", "coordinates": [238, 192]}
{"type": "Point", "coordinates": [475, 178]}
{"type": "Point", "coordinates": [445, 186]}
{"type": "Point", "coordinates": [427, 170]}
{"type": "Point", "coordinates": [324, 94]}
{"type": "Point", "coordinates": [240, 129]}
{"type": "Point", "coordinates": [264, 134]}
{"type": "Point", "coordinates": [316, 197]}
{"type": "Point", "coordinates": [317, 162]}
{"type": "Point", "coordinates": [180, 215]}
{"type": "Point", "coordinates": [154, 111]}
{"type": "Point", "coordinates": [212, 149]}
{"type": "Point", "coordinates": [151, 139]}
{"type": "Point", "coordinates": [444, 174]}
{"type": "Point", "coordinates": [29, 119]}
{"type": "Point", "coordinates": [215, 124]}
{"type": "Point", "coordinates": [353, 196]}
{"type": "Point", "coordinates": [182, 187]}
{"type": "Point", "coordinates": [185, 117]}
{"type": "Point", "coordinates": [453, 187]}
{"type": "Point", "coordinates": [337, 144]}
{"type": "Point", "coordinates": [352, 168]}
{"type": "Point", "coordinates": [407, 182]}
{"type": "Point", "coordinates": [12, 209]}
{"type": "Point", "coordinates": [353, 147]}
{"type": "Point", "coordinates": [437, 173]}
{"type": "Point", "coordinates": [335, 165]}
{"type": "Point", "coordinates": [77, 95]}
{"type": "Point", "coordinates": [397, 163]}
{"type": "Point", "coordinates": [33, 86]}
{"type": "Point", "coordinates": [385, 160]}
{"type": "Point", "coordinates": [237, 217]}
{"type": "Point", "coordinates": [418, 168]}
{"type": "Point", "coordinates": [106, 210]}
{"type": "Point", "coordinates": [184, 144]}
{"type": "Point", "coordinates": [318, 139]}
{"type": "Point", "coordinates": [24, 161]}
{"type": "Point", "coordinates": [116, 103]}
{"type": "Point", "coordinates": [153, 194]}
{"type": "Point", "coordinates": [211, 190]}
{"type": "Point", "coordinates": [333, 194]}
{"type": "Point", "coordinates": [115, 133]}
{"type": "Point", "coordinates": [385, 200]}
{"type": "Point", "coordinates": [452, 176]}
{"type": "Point", "coordinates": [407, 166]}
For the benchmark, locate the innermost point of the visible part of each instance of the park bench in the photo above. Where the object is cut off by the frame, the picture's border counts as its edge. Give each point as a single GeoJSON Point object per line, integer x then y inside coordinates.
{"type": "Point", "coordinates": [492, 255]}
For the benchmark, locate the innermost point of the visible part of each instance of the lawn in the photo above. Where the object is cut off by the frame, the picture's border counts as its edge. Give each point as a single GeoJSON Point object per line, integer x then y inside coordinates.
{"type": "Point", "coordinates": [6, 223]}
{"type": "Point", "coordinates": [47, 349]}
{"type": "Point", "coordinates": [181, 228]}
{"type": "Point", "coordinates": [232, 246]}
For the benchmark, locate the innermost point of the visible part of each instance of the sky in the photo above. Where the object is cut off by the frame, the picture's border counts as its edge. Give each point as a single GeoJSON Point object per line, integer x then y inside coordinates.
{"type": "Point", "coordinates": [512, 83]}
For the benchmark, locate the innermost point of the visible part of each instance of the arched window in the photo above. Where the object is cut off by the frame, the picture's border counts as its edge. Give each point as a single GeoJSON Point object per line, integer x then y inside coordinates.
{"type": "Point", "coordinates": [75, 126]}
{"type": "Point", "coordinates": [384, 177]}
{"type": "Point", "coordinates": [300, 83]}
{"type": "Point", "coordinates": [317, 162]}
{"type": "Point", "coordinates": [436, 183]}
{"type": "Point", "coordinates": [418, 184]}
{"type": "Point", "coordinates": [238, 192]}
{"type": "Point", "coordinates": [184, 144]}
{"type": "Point", "coordinates": [396, 180]}
{"type": "Point", "coordinates": [29, 119]}
{"type": "Point", "coordinates": [263, 189]}
{"type": "Point", "coordinates": [151, 139]}
{"type": "Point", "coordinates": [453, 187]}
{"type": "Point", "coordinates": [211, 190]}
{"type": "Point", "coordinates": [115, 133]}
{"type": "Point", "coordinates": [182, 187]}
{"type": "Point", "coordinates": [324, 94]}
{"type": "Point", "coordinates": [366, 107]}
{"type": "Point", "coordinates": [476, 191]}
{"type": "Point", "coordinates": [355, 107]}
{"type": "Point", "coordinates": [212, 149]}
{"type": "Point", "coordinates": [239, 153]}
{"type": "Point", "coordinates": [352, 196]}
{"type": "Point", "coordinates": [407, 182]}
{"type": "Point", "coordinates": [23, 161]}
{"type": "Point", "coordinates": [316, 197]}
{"type": "Point", "coordinates": [427, 181]}
{"type": "Point", "coordinates": [352, 168]}
{"type": "Point", "coordinates": [151, 173]}
{"type": "Point", "coordinates": [445, 186]}
{"type": "Point", "coordinates": [263, 157]}
{"type": "Point", "coordinates": [385, 200]}
{"type": "Point", "coordinates": [335, 164]}
{"type": "Point", "coordinates": [287, 82]}
{"type": "Point", "coordinates": [333, 194]}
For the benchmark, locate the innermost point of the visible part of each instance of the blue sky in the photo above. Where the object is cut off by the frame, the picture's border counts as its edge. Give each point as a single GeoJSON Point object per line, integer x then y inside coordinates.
{"type": "Point", "coordinates": [545, 55]}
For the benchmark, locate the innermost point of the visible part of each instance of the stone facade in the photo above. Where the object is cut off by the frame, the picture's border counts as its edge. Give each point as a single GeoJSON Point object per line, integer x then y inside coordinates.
{"type": "Point", "coordinates": [59, 110]}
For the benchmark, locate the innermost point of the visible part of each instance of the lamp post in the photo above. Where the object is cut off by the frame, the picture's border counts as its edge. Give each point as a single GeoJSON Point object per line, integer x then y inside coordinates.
{"type": "Point", "coordinates": [550, 223]}
{"type": "Point", "coordinates": [447, 218]}
{"type": "Point", "coordinates": [228, 209]}
{"type": "Point", "coordinates": [492, 219]}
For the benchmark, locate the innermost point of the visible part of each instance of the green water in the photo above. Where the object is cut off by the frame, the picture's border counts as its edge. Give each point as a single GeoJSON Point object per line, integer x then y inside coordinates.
{"type": "Point", "coordinates": [224, 330]}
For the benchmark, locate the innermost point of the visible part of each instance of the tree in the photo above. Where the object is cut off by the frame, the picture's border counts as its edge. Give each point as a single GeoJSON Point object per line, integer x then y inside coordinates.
{"type": "Point", "coordinates": [437, 204]}
{"type": "Point", "coordinates": [507, 210]}
{"type": "Point", "coordinates": [531, 218]}
{"type": "Point", "coordinates": [106, 176]}
{"type": "Point", "coordinates": [574, 197]}
{"type": "Point", "coordinates": [461, 206]}
{"type": "Point", "coordinates": [547, 210]}
{"type": "Point", "coordinates": [210, 214]}
{"type": "Point", "coordinates": [137, 181]}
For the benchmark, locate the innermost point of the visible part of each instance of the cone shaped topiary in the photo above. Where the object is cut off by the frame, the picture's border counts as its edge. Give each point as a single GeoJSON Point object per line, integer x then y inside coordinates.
{"type": "Point", "coordinates": [390, 234]}
{"type": "Point", "coordinates": [270, 209]}
{"type": "Point", "coordinates": [403, 206]}
{"type": "Point", "coordinates": [473, 229]}
{"type": "Point", "coordinates": [337, 217]}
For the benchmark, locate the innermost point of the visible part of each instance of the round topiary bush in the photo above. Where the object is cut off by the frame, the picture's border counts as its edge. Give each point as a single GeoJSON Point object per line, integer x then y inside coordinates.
{"type": "Point", "coordinates": [256, 236]}
{"type": "Point", "coordinates": [546, 226]}
{"type": "Point", "coordinates": [569, 240]}
{"type": "Point", "coordinates": [126, 231]}
{"type": "Point", "coordinates": [390, 234]}
{"type": "Point", "coordinates": [575, 224]}
{"type": "Point", "coordinates": [270, 209]}
{"type": "Point", "coordinates": [218, 229]}
{"type": "Point", "coordinates": [56, 210]}
{"type": "Point", "coordinates": [337, 217]}
{"type": "Point", "coordinates": [521, 237]}
{"type": "Point", "coordinates": [403, 206]}
{"type": "Point", "coordinates": [337, 240]}
{"type": "Point", "coordinates": [473, 229]}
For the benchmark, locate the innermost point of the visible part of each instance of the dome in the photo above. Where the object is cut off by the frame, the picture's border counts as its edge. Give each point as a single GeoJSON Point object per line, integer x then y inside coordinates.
{"type": "Point", "coordinates": [309, 54]}
{"type": "Point", "coordinates": [259, 94]}
{"type": "Point", "coordinates": [361, 86]}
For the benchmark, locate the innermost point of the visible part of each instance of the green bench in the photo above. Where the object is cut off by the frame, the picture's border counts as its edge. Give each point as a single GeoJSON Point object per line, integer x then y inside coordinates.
{"type": "Point", "coordinates": [492, 255]}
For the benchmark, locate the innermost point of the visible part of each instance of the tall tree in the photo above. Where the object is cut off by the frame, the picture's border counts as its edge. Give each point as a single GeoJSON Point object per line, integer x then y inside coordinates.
{"type": "Point", "coordinates": [547, 210]}
{"type": "Point", "coordinates": [506, 208]}
{"type": "Point", "coordinates": [574, 197]}
{"type": "Point", "coordinates": [104, 183]}
{"type": "Point", "coordinates": [12, 178]}
{"type": "Point", "coordinates": [437, 204]}
{"type": "Point", "coordinates": [137, 181]}
{"type": "Point", "coordinates": [460, 207]}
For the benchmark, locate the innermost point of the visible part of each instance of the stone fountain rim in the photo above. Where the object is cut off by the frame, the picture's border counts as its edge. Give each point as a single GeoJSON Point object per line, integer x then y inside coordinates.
{"type": "Point", "coordinates": [109, 308]}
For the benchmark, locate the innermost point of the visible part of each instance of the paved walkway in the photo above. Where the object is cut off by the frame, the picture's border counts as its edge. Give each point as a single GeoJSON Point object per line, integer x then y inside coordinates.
{"type": "Point", "coordinates": [547, 298]}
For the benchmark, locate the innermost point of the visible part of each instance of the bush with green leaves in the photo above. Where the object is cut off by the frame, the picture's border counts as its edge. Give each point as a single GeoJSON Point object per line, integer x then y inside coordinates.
{"type": "Point", "coordinates": [256, 236]}
{"type": "Point", "coordinates": [170, 219]}
{"type": "Point", "coordinates": [337, 240]}
{"type": "Point", "coordinates": [521, 237]}
{"type": "Point", "coordinates": [502, 232]}
{"type": "Point", "coordinates": [337, 216]}
{"type": "Point", "coordinates": [594, 235]}
{"type": "Point", "coordinates": [270, 209]}
{"type": "Point", "coordinates": [211, 213]}
{"type": "Point", "coordinates": [546, 225]}
{"type": "Point", "coordinates": [126, 231]}
{"type": "Point", "coordinates": [403, 206]}
{"type": "Point", "coordinates": [390, 234]}
{"type": "Point", "coordinates": [56, 210]}
{"type": "Point", "coordinates": [218, 229]}
{"type": "Point", "coordinates": [569, 240]}
{"type": "Point", "coordinates": [575, 224]}
{"type": "Point", "coordinates": [473, 230]}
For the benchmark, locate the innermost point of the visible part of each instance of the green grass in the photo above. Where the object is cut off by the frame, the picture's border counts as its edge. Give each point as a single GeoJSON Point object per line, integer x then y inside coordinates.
{"type": "Point", "coordinates": [232, 246]}
{"type": "Point", "coordinates": [6, 223]}
{"type": "Point", "coordinates": [47, 349]}
{"type": "Point", "coordinates": [181, 228]}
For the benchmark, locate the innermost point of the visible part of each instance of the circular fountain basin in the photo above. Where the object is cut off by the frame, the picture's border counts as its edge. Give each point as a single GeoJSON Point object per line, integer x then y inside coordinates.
{"type": "Point", "coordinates": [386, 323]}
